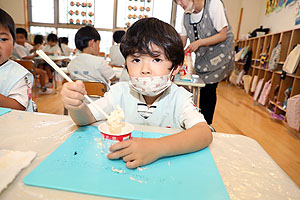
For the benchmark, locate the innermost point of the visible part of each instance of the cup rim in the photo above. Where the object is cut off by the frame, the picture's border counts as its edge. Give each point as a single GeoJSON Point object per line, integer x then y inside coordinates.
{"type": "Point", "coordinates": [131, 128]}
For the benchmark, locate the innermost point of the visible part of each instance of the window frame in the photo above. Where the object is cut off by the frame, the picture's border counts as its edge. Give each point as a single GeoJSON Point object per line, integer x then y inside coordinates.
{"type": "Point", "coordinates": [57, 25]}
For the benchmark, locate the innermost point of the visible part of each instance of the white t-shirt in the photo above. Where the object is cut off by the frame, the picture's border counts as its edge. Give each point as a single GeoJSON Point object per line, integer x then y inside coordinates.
{"type": "Point", "coordinates": [116, 56]}
{"type": "Point", "coordinates": [20, 51]}
{"type": "Point", "coordinates": [20, 92]}
{"type": "Point", "coordinates": [55, 49]}
{"type": "Point", "coordinates": [188, 117]}
{"type": "Point", "coordinates": [217, 15]}
{"type": "Point", "coordinates": [87, 67]}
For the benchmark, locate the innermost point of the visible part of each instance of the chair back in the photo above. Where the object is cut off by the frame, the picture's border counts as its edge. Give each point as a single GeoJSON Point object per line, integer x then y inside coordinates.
{"type": "Point", "coordinates": [94, 88]}
{"type": "Point", "coordinates": [102, 54]}
{"type": "Point", "coordinates": [118, 66]}
{"type": "Point", "coordinates": [28, 64]}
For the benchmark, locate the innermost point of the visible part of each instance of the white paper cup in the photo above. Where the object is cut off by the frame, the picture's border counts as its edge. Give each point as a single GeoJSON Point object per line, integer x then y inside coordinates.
{"type": "Point", "coordinates": [109, 139]}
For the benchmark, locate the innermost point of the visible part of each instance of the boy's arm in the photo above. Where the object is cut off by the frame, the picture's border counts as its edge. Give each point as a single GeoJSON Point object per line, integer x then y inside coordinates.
{"type": "Point", "coordinates": [215, 39]}
{"type": "Point", "coordinates": [72, 96]}
{"type": "Point", "coordinates": [141, 151]}
{"type": "Point", "coordinates": [7, 102]}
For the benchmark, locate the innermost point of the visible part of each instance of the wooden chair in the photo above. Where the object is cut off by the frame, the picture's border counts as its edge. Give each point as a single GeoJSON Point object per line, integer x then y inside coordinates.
{"type": "Point", "coordinates": [29, 65]}
{"type": "Point", "coordinates": [102, 54]}
{"type": "Point", "coordinates": [93, 89]}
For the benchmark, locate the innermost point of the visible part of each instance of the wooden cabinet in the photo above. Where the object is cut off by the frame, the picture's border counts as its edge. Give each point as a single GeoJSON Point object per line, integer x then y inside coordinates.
{"type": "Point", "coordinates": [265, 45]}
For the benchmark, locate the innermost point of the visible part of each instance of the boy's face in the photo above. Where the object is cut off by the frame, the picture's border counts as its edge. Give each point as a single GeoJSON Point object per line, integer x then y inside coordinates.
{"type": "Point", "coordinates": [20, 39]}
{"type": "Point", "coordinates": [51, 43]}
{"type": "Point", "coordinates": [6, 44]}
{"type": "Point", "coordinates": [146, 66]}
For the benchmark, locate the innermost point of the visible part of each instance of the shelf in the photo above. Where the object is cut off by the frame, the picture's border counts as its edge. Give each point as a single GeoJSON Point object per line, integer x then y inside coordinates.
{"type": "Point", "coordinates": [266, 44]}
{"type": "Point", "coordinates": [281, 108]}
{"type": "Point", "coordinates": [272, 102]}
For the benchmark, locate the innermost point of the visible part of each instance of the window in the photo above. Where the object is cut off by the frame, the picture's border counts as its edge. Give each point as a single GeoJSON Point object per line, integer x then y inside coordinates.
{"type": "Point", "coordinates": [69, 33]}
{"type": "Point", "coordinates": [44, 19]}
{"type": "Point", "coordinates": [42, 11]}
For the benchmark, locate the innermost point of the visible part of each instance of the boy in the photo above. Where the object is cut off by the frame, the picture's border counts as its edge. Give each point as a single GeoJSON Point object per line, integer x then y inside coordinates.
{"type": "Point", "coordinates": [153, 52]}
{"type": "Point", "coordinates": [22, 51]}
{"type": "Point", "coordinates": [15, 80]}
{"type": "Point", "coordinates": [116, 58]}
{"type": "Point", "coordinates": [50, 49]}
{"type": "Point", "coordinates": [88, 66]}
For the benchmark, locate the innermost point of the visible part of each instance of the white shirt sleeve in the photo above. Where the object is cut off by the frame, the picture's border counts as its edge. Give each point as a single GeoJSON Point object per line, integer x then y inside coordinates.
{"type": "Point", "coordinates": [104, 103]}
{"type": "Point", "coordinates": [190, 115]}
{"type": "Point", "coordinates": [106, 70]}
{"type": "Point", "coordinates": [217, 15]}
{"type": "Point", "coordinates": [20, 52]}
{"type": "Point", "coordinates": [20, 92]}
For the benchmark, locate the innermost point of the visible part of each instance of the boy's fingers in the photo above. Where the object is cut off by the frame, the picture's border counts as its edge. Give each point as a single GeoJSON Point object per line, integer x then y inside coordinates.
{"type": "Point", "coordinates": [118, 154]}
{"type": "Point", "coordinates": [120, 145]}
{"type": "Point", "coordinates": [132, 164]}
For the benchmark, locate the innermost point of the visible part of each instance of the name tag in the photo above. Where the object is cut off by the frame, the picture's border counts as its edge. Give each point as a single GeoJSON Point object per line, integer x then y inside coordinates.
{"type": "Point", "coordinates": [215, 60]}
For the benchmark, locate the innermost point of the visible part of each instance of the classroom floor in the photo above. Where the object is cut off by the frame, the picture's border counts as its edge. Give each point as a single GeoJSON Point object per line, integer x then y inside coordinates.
{"type": "Point", "coordinates": [236, 114]}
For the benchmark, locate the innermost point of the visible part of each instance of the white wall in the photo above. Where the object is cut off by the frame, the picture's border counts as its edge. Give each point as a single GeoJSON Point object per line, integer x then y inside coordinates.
{"type": "Point", "coordinates": [233, 9]}
{"type": "Point", "coordinates": [251, 15]}
{"type": "Point", "coordinates": [279, 21]}
{"type": "Point", "coordinates": [15, 8]}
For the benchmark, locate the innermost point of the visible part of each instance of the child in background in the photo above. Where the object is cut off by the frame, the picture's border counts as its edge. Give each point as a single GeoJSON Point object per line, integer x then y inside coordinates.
{"type": "Point", "coordinates": [116, 57]}
{"type": "Point", "coordinates": [88, 66]}
{"type": "Point", "coordinates": [154, 53]}
{"type": "Point", "coordinates": [16, 81]}
{"type": "Point", "coordinates": [114, 52]}
{"type": "Point", "coordinates": [23, 49]}
{"type": "Point", "coordinates": [21, 52]}
{"type": "Point", "coordinates": [63, 44]}
{"type": "Point", "coordinates": [50, 49]}
{"type": "Point", "coordinates": [38, 41]}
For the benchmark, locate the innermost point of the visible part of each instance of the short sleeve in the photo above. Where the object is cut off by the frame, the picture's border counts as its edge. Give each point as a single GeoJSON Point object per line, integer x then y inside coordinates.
{"type": "Point", "coordinates": [190, 115]}
{"type": "Point", "coordinates": [19, 52]}
{"type": "Point", "coordinates": [21, 92]}
{"type": "Point", "coordinates": [106, 70]}
{"type": "Point", "coordinates": [183, 30]}
{"type": "Point", "coordinates": [217, 15]}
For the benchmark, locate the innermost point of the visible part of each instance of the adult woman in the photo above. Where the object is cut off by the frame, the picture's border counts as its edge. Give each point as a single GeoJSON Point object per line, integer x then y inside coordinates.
{"type": "Point", "coordinates": [206, 26]}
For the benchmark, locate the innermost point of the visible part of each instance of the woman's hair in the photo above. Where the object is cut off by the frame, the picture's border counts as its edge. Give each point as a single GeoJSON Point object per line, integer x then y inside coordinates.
{"type": "Point", "coordinates": [84, 35]}
{"type": "Point", "coordinates": [117, 36]}
{"type": "Point", "coordinates": [148, 31]}
{"type": "Point", "coordinates": [52, 37]}
{"type": "Point", "coordinates": [38, 39]}
{"type": "Point", "coordinates": [7, 22]}
{"type": "Point", "coordinates": [22, 31]}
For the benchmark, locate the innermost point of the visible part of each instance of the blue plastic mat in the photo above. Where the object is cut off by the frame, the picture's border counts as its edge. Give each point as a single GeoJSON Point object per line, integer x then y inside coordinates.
{"type": "Point", "coordinates": [4, 110]}
{"type": "Point", "coordinates": [78, 165]}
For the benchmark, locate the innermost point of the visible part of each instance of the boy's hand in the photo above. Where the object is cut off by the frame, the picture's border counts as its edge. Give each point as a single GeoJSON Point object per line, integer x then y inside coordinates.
{"type": "Point", "coordinates": [135, 152]}
{"type": "Point", "coordinates": [72, 95]}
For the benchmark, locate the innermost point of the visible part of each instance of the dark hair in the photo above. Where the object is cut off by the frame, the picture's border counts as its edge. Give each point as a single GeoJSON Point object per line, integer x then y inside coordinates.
{"type": "Point", "coordinates": [38, 39]}
{"type": "Point", "coordinates": [84, 35]}
{"type": "Point", "coordinates": [147, 31]}
{"type": "Point", "coordinates": [63, 40]}
{"type": "Point", "coordinates": [22, 31]}
{"type": "Point", "coordinates": [117, 36]}
{"type": "Point", "coordinates": [52, 37]}
{"type": "Point", "coordinates": [7, 22]}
